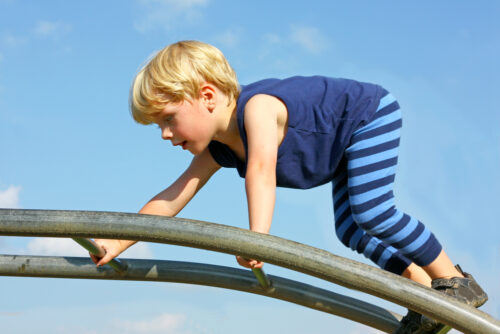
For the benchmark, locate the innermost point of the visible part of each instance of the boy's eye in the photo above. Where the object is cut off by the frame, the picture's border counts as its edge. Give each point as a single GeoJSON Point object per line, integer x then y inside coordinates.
{"type": "Point", "coordinates": [169, 119]}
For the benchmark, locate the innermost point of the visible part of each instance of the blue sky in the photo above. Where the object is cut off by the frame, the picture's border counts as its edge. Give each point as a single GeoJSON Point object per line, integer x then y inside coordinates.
{"type": "Point", "coordinates": [67, 142]}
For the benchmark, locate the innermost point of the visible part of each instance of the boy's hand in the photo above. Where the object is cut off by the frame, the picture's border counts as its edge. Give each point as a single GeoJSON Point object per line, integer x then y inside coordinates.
{"type": "Point", "coordinates": [249, 263]}
{"type": "Point", "coordinates": [113, 248]}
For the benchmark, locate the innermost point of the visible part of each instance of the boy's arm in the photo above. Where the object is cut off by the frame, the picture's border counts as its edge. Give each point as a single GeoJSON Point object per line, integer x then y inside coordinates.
{"type": "Point", "coordinates": [172, 200]}
{"type": "Point", "coordinates": [260, 180]}
{"type": "Point", "coordinates": [169, 202]}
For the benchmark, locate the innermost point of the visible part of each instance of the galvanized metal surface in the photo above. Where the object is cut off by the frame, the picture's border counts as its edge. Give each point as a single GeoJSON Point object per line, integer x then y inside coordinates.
{"type": "Point", "coordinates": [203, 274]}
{"type": "Point", "coordinates": [95, 249]}
{"type": "Point", "coordinates": [263, 279]}
{"type": "Point", "coordinates": [226, 239]}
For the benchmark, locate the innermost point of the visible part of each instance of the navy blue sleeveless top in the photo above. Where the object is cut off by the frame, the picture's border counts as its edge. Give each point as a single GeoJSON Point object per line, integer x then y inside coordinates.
{"type": "Point", "coordinates": [322, 115]}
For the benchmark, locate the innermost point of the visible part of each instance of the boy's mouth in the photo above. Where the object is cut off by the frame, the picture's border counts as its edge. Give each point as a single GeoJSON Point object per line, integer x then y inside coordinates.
{"type": "Point", "coordinates": [182, 144]}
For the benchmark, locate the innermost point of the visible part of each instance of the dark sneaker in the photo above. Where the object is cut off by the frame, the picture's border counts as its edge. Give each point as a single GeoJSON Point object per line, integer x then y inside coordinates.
{"type": "Point", "coordinates": [464, 289]}
{"type": "Point", "coordinates": [410, 323]}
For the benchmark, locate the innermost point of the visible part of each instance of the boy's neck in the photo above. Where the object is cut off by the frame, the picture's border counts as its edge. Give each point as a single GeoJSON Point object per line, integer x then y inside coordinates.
{"type": "Point", "coordinates": [228, 124]}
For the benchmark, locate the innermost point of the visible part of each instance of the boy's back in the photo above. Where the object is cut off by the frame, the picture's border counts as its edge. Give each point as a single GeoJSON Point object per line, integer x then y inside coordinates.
{"type": "Point", "coordinates": [323, 113]}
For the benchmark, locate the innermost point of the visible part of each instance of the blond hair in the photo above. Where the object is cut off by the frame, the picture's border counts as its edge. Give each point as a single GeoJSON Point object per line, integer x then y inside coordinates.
{"type": "Point", "coordinates": [175, 74]}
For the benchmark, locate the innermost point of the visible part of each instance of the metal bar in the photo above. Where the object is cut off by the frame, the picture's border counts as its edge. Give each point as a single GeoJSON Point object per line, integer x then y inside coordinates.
{"type": "Point", "coordinates": [267, 248]}
{"type": "Point", "coordinates": [263, 279]}
{"type": "Point", "coordinates": [94, 248]}
{"type": "Point", "coordinates": [203, 274]}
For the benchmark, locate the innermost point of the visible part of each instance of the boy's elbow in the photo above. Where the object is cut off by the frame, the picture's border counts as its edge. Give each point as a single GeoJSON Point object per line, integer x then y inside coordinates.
{"type": "Point", "coordinates": [156, 207]}
{"type": "Point", "coordinates": [262, 164]}
{"type": "Point", "coordinates": [264, 172]}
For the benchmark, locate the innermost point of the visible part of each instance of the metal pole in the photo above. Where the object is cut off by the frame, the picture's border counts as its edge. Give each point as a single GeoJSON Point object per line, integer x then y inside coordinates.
{"type": "Point", "coordinates": [203, 274]}
{"type": "Point", "coordinates": [263, 279]}
{"type": "Point", "coordinates": [94, 249]}
{"type": "Point", "coordinates": [267, 248]}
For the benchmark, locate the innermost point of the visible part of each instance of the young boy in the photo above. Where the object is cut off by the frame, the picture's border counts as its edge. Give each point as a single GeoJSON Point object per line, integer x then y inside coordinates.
{"type": "Point", "coordinates": [299, 132]}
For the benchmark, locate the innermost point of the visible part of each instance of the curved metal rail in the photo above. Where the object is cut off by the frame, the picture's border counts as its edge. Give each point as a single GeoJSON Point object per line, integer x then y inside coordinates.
{"type": "Point", "coordinates": [203, 274]}
{"type": "Point", "coordinates": [267, 248]}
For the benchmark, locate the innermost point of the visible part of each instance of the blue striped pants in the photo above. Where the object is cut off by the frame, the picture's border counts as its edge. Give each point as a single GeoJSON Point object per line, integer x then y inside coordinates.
{"type": "Point", "coordinates": [366, 219]}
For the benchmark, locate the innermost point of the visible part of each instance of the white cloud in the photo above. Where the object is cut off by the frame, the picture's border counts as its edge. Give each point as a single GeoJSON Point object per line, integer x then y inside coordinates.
{"type": "Point", "coordinates": [41, 30]}
{"type": "Point", "coordinates": [229, 38]}
{"type": "Point", "coordinates": [13, 41]}
{"type": "Point", "coordinates": [140, 250]}
{"type": "Point", "coordinates": [165, 323]}
{"type": "Point", "coordinates": [271, 39]}
{"type": "Point", "coordinates": [10, 198]}
{"type": "Point", "coordinates": [309, 38]}
{"type": "Point", "coordinates": [166, 14]}
{"type": "Point", "coordinates": [11, 314]}
{"type": "Point", "coordinates": [68, 247]}
{"type": "Point", "coordinates": [51, 29]}
{"type": "Point", "coordinates": [55, 247]}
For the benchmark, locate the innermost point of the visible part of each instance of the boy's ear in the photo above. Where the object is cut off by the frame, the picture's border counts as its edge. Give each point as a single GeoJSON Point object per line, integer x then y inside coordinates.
{"type": "Point", "coordinates": [208, 96]}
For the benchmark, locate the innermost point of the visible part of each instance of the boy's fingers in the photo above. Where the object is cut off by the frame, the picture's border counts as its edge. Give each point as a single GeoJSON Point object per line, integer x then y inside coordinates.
{"type": "Point", "coordinates": [94, 258]}
{"type": "Point", "coordinates": [243, 262]}
{"type": "Point", "coordinates": [240, 261]}
{"type": "Point", "coordinates": [258, 264]}
{"type": "Point", "coordinates": [249, 263]}
{"type": "Point", "coordinates": [105, 259]}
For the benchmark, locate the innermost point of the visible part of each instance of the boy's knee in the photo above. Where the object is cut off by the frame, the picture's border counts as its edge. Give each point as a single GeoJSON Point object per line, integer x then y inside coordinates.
{"type": "Point", "coordinates": [374, 216]}
{"type": "Point", "coordinates": [363, 219]}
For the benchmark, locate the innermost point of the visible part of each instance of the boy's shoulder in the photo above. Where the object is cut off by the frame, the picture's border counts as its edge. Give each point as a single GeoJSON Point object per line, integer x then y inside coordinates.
{"type": "Point", "coordinates": [295, 87]}
{"type": "Point", "coordinates": [259, 83]}
{"type": "Point", "coordinates": [298, 81]}
{"type": "Point", "coordinates": [273, 84]}
{"type": "Point", "coordinates": [287, 80]}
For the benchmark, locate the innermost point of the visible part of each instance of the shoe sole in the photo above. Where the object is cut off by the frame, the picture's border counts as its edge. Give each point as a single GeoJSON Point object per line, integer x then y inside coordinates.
{"type": "Point", "coordinates": [441, 329]}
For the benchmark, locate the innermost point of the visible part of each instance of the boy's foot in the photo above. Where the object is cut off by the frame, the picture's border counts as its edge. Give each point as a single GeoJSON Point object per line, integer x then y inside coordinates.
{"type": "Point", "coordinates": [464, 289]}
{"type": "Point", "coordinates": [412, 324]}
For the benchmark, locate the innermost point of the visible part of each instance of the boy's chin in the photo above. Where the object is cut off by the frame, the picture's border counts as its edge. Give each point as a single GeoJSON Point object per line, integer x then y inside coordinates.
{"type": "Point", "coordinates": [194, 150]}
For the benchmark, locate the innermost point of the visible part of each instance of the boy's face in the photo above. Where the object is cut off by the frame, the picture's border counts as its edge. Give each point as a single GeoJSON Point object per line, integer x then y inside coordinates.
{"type": "Point", "coordinates": [187, 124]}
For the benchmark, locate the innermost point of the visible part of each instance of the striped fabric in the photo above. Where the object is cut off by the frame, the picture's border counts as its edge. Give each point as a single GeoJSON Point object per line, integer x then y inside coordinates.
{"type": "Point", "coordinates": [366, 219]}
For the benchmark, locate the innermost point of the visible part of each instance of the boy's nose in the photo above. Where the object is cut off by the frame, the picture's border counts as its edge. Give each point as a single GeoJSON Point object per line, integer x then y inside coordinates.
{"type": "Point", "coordinates": [166, 134]}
